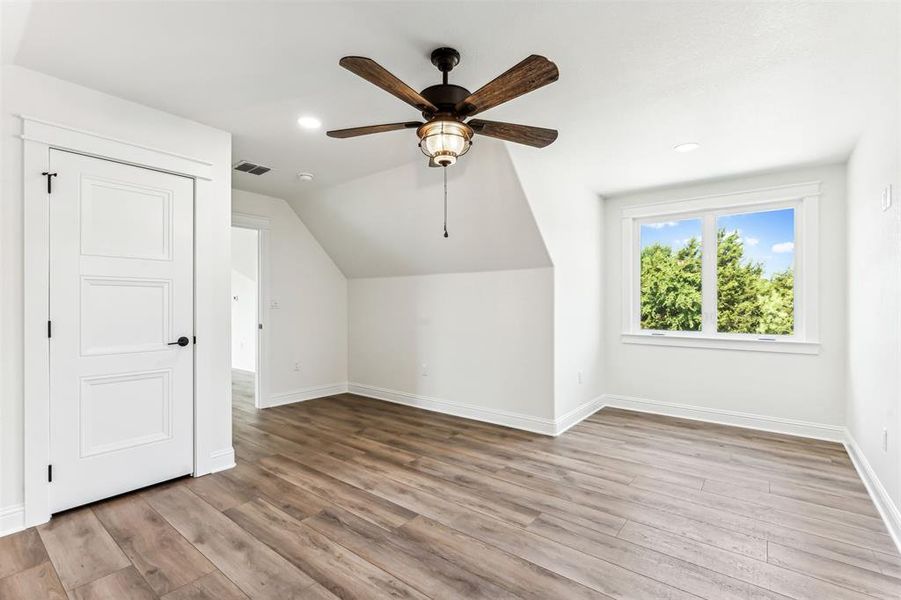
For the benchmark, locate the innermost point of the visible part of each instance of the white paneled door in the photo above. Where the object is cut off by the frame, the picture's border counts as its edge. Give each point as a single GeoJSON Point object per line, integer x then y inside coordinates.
{"type": "Point", "coordinates": [121, 328]}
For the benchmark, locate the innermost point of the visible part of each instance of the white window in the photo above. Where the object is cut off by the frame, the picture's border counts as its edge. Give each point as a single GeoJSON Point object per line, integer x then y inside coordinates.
{"type": "Point", "coordinates": [736, 271]}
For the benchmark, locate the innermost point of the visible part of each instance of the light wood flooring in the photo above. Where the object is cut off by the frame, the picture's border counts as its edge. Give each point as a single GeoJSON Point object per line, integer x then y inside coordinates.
{"type": "Point", "coordinates": [353, 498]}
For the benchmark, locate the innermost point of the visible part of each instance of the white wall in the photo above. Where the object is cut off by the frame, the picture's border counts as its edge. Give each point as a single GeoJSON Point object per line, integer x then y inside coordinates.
{"type": "Point", "coordinates": [874, 285]}
{"type": "Point", "coordinates": [808, 388]}
{"type": "Point", "coordinates": [390, 223]}
{"type": "Point", "coordinates": [570, 219]}
{"type": "Point", "coordinates": [33, 94]}
{"type": "Point", "coordinates": [244, 298]}
{"type": "Point", "coordinates": [310, 325]}
{"type": "Point", "coordinates": [486, 340]}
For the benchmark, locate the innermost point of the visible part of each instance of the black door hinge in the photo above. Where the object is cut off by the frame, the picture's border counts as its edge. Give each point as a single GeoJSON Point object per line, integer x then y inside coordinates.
{"type": "Point", "coordinates": [49, 329]}
{"type": "Point", "coordinates": [195, 340]}
{"type": "Point", "coordinates": [49, 472]}
{"type": "Point", "coordinates": [49, 177]}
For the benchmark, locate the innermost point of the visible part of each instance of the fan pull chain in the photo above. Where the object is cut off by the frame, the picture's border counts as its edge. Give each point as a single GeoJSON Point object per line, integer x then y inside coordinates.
{"type": "Point", "coordinates": [445, 200]}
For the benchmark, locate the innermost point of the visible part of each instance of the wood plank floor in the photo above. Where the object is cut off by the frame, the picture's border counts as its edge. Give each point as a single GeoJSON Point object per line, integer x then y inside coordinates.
{"type": "Point", "coordinates": [347, 497]}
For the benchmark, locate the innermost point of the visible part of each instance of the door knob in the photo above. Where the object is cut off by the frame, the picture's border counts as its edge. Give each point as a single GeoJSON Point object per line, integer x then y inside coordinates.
{"type": "Point", "coordinates": [182, 341]}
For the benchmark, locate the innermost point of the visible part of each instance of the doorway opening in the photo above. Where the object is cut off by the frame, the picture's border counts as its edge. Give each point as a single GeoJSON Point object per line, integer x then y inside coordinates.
{"type": "Point", "coordinates": [245, 317]}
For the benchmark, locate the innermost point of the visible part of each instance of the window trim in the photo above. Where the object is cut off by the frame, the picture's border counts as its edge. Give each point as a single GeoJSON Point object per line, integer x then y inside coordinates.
{"type": "Point", "coordinates": [803, 197]}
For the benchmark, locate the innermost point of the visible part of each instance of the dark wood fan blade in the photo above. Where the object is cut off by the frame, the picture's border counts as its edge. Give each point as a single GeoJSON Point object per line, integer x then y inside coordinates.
{"type": "Point", "coordinates": [531, 74]}
{"type": "Point", "coordinates": [355, 131]}
{"type": "Point", "coordinates": [538, 137]}
{"type": "Point", "coordinates": [378, 75]}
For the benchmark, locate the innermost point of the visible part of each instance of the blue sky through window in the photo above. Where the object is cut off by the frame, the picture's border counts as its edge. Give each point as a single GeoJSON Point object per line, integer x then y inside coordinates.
{"type": "Point", "coordinates": [670, 233]}
{"type": "Point", "coordinates": [768, 236]}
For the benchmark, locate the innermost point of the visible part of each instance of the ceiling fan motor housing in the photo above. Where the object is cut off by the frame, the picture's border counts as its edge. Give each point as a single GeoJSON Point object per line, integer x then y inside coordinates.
{"type": "Point", "coordinates": [444, 96]}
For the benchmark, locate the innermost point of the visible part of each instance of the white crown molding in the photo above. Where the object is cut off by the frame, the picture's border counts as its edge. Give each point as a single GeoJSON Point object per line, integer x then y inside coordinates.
{"type": "Point", "coordinates": [888, 510]}
{"type": "Point", "coordinates": [12, 519]}
{"type": "Point", "coordinates": [302, 395]}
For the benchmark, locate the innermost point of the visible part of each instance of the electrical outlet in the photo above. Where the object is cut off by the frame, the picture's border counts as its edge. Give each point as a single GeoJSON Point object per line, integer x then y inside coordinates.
{"type": "Point", "coordinates": [884, 439]}
{"type": "Point", "coordinates": [424, 370]}
{"type": "Point", "coordinates": [887, 197]}
{"type": "Point", "coordinates": [297, 366]}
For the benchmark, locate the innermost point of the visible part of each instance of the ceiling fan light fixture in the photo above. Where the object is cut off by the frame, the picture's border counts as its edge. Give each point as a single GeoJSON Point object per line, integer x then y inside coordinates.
{"type": "Point", "coordinates": [444, 140]}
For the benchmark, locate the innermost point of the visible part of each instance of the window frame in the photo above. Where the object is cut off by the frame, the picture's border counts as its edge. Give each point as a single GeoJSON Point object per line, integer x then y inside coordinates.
{"type": "Point", "coordinates": [803, 198]}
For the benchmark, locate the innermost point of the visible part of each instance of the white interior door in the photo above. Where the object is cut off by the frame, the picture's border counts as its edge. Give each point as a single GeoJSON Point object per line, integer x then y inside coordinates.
{"type": "Point", "coordinates": [121, 292]}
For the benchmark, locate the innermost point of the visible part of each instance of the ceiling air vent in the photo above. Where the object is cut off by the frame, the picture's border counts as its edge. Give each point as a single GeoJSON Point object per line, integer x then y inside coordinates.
{"type": "Point", "coordinates": [249, 167]}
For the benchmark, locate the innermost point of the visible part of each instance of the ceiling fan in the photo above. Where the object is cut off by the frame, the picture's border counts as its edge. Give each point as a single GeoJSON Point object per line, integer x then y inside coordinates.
{"type": "Point", "coordinates": [446, 134]}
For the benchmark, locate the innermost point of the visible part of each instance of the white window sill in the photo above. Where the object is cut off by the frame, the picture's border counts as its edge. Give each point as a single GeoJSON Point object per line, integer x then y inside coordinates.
{"type": "Point", "coordinates": [722, 343]}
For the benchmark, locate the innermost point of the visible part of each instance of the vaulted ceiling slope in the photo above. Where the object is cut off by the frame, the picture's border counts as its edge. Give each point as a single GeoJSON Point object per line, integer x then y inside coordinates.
{"type": "Point", "coordinates": [391, 223]}
{"type": "Point", "coordinates": [759, 85]}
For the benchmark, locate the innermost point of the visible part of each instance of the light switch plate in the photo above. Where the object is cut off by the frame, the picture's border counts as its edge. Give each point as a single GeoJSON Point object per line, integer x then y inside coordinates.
{"type": "Point", "coordinates": [274, 304]}
{"type": "Point", "coordinates": [887, 198]}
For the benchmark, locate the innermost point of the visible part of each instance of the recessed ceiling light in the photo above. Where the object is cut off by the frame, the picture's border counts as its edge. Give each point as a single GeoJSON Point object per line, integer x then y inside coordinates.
{"type": "Point", "coordinates": [309, 122]}
{"type": "Point", "coordinates": [687, 147]}
{"type": "Point", "coordinates": [305, 177]}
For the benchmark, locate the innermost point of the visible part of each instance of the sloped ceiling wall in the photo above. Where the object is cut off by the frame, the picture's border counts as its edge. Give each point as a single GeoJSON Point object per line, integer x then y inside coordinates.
{"type": "Point", "coordinates": [570, 218]}
{"type": "Point", "coordinates": [390, 223]}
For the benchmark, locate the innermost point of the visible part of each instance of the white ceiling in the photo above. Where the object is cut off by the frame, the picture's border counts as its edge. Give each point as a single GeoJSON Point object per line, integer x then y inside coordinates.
{"type": "Point", "coordinates": [759, 85]}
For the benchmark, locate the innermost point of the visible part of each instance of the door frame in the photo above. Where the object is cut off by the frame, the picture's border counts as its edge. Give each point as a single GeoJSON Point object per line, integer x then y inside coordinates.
{"type": "Point", "coordinates": [39, 137]}
{"type": "Point", "coordinates": [261, 225]}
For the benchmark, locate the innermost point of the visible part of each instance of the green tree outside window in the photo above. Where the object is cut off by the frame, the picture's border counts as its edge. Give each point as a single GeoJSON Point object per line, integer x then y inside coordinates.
{"type": "Point", "coordinates": [747, 300]}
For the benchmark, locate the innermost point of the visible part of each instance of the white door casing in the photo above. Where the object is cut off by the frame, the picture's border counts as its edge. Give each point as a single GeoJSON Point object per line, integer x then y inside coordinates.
{"type": "Point", "coordinates": [121, 290]}
{"type": "Point", "coordinates": [212, 393]}
{"type": "Point", "coordinates": [261, 225]}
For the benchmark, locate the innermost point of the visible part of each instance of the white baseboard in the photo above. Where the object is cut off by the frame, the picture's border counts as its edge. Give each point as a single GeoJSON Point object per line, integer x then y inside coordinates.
{"type": "Point", "coordinates": [458, 409]}
{"type": "Point", "coordinates": [544, 426]}
{"type": "Point", "coordinates": [12, 519]}
{"type": "Point", "coordinates": [880, 496]}
{"type": "Point", "coordinates": [222, 460]}
{"type": "Point", "coordinates": [303, 394]}
{"type": "Point", "coordinates": [577, 415]}
{"type": "Point", "coordinates": [819, 431]}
